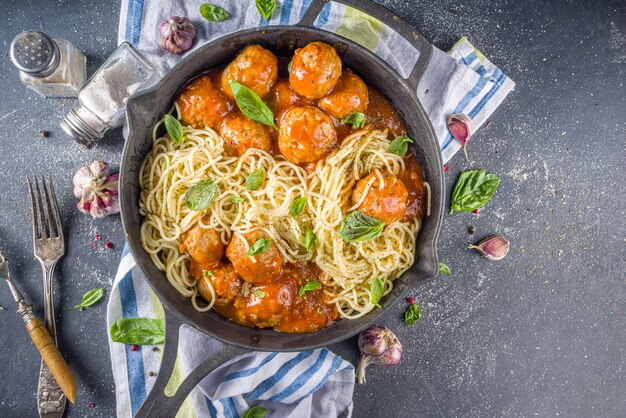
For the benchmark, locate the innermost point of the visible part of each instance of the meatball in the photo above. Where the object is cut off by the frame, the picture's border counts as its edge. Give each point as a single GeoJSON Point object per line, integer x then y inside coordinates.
{"type": "Point", "coordinates": [387, 203]}
{"type": "Point", "coordinates": [349, 95]}
{"type": "Point", "coordinates": [202, 103]}
{"type": "Point", "coordinates": [264, 268]}
{"type": "Point", "coordinates": [224, 280]}
{"type": "Point", "coordinates": [281, 98]}
{"type": "Point", "coordinates": [306, 134]}
{"type": "Point", "coordinates": [203, 245]}
{"type": "Point", "coordinates": [241, 133]}
{"type": "Point", "coordinates": [315, 70]}
{"type": "Point", "coordinates": [255, 67]}
{"type": "Point", "coordinates": [265, 305]}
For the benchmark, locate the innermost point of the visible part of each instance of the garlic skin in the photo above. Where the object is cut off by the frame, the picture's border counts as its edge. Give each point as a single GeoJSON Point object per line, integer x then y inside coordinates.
{"type": "Point", "coordinates": [461, 127]}
{"type": "Point", "coordinates": [96, 190]}
{"type": "Point", "coordinates": [493, 248]}
{"type": "Point", "coordinates": [379, 346]}
{"type": "Point", "coordinates": [178, 34]}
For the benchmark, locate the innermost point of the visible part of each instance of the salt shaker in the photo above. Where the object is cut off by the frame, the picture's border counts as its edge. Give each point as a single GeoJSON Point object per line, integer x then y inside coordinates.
{"type": "Point", "coordinates": [103, 99]}
{"type": "Point", "coordinates": [50, 67]}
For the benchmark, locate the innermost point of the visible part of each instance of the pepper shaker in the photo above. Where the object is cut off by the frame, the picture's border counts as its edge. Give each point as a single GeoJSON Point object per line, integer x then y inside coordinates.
{"type": "Point", "coordinates": [50, 67]}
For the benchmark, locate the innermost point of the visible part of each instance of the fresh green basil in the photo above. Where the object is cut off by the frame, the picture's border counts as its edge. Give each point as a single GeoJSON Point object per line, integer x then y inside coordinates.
{"type": "Point", "coordinates": [206, 273]}
{"type": "Point", "coordinates": [359, 227]}
{"type": "Point", "coordinates": [255, 412]}
{"type": "Point", "coordinates": [260, 246]}
{"type": "Point", "coordinates": [200, 195]}
{"type": "Point", "coordinates": [174, 128]}
{"type": "Point", "coordinates": [412, 314]}
{"type": "Point", "coordinates": [355, 119]}
{"type": "Point", "coordinates": [90, 298]}
{"type": "Point", "coordinates": [259, 294]}
{"type": "Point", "coordinates": [140, 331]}
{"type": "Point", "coordinates": [236, 199]}
{"type": "Point", "coordinates": [289, 67]}
{"type": "Point", "coordinates": [297, 206]}
{"type": "Point", "coordinates": [309, 240]}
{"type": "Point", "coordinates": [308, 286]}
{"type": "Point", "coordinates": [473, 189]}
{"type": "Point", "coordinates": [266, 8]}
{"type": "Point", "coordinates": [400, 145]}
{"type": "Point", "coordinates": [444, 269]}
{"type": "Point", "coordinates": [254, 180]}
{"type": "Point", "coordinates": [376, 291]}
{"type": "Point", "coordinates": [251, 105]}
{"type": "Point", "coordinates": [213, 13]}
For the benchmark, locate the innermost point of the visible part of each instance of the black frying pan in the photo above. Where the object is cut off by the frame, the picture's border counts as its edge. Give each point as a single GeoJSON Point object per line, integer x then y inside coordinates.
{"type": "Point", "coordinates": [147, 107]}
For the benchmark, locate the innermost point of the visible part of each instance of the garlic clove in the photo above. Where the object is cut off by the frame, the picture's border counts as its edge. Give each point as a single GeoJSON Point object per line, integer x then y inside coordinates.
{"type": "Point", "coordinates": [461, 127]}
{"type": "Point", "coordinates": [494, 248]}
{"type": "Point", "coordinates": [178, 34]}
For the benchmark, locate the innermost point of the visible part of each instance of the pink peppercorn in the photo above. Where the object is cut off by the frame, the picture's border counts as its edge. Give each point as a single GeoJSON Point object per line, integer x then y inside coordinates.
{"type": "Point", "coordinates": [476, 211]}
{"type": "Point", "coordinates": [93, 245]}
{"type": "Point", "coordinates": [108, 245]}
{"type": "Point", "coordinates": [134, 347]}
{"type": "Point", "coordinates": [411, 299]}
{"type": "Point", "coordinates": [445, 168]}
{"type": "Point", "coordinates": [92, 405]}
{"type": "Point", "coordinates": [98, 237]}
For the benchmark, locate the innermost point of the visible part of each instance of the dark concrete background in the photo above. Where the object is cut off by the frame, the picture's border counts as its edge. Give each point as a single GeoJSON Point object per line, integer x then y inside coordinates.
{"type": "Point", "coordinates": [540, 333]}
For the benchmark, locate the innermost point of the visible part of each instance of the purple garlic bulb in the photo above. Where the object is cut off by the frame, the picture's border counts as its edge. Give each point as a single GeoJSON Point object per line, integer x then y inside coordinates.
{"type": "Point", "coordinates": [178, 34]}
{"type": "Point", "coordinates": [96, 190]}
{"type": "Point", "coordinates": [379, 346]}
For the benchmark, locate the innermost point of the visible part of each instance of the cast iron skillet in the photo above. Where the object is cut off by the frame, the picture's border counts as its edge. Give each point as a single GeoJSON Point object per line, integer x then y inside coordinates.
{"type": "Point", "coordinates": [147, 107]}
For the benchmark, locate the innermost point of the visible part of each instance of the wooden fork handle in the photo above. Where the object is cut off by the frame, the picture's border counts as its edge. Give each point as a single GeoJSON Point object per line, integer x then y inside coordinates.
{"type": "Point", "coordinates": [52, 357]}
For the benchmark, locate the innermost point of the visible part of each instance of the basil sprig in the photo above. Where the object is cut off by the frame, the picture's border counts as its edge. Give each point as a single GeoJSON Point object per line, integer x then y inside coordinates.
{"type": "Point", "coordinates": [251, 105]}
{"type": "Point", "coordinates": [255, 412]}
{"type": "Point", "coordinates": [140, 331]}
{"type": "Point", "coordinates": [266, 8]}
{"type": "Point", "coordinates": [200, 195]}
{"type": "Point", "coordinates": [259, 247]}
{"type": "Point", "coordinates": [213, 13]}
{"type": "Point", "coordinates": [308, 286]}
{"type": "Point", "coordinates": [400, 145]}
{"type": "Point", "coordinates": [359, 227]}
{"type": "Point", "coordinates": [289, 67]}
{"type": "Point", "coordinates": [236, 199]}
{"type": "Point", "coordinates": [355, 119]}
{"type": "Point", "coordinates": [444, 269]}
{"type": "Point", "coordinates": [174, 128]}
{"type": "Point", "coordinates": [376, 291]}
{"type": "Point", "coordinates": [90, 298]}
{"type": "Point", "coordinates": [309, 240]}
{"type": "Point", "coordinates": [473, 189]}
{"type": "Point", "coordinates": [297, 206]}
{"type": "Point", "coordinates": [259, 293]}
{"type": "Point", "coordinates": [254, 180]}
{"type": "Point", "coordinates": [412, 314]}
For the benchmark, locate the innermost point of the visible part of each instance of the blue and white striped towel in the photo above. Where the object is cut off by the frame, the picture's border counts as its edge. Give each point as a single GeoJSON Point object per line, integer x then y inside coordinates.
{"type": "Point", "coordinates": [314, 383]}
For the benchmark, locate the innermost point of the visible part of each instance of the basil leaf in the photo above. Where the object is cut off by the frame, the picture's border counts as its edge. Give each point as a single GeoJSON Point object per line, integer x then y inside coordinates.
{"type": "Point", "coordinates": [443, 269]}
{"type": "Point", "coordinates": [297, 206]}
{"type": "Point", "coordinates": [200, 195]}
{"type": "Point", "coordinates": [213, 13]}
{"type": "Point", "coordinates": [376, 291]}
{"type": "Point", "coordinates": [473, 189]}
{"type": "Point", "coordinates": [309, 240]}
{"type": "Point", "coordinates": [259, 294]}
{"type": "Point", "coordinates": [255, 412]}
{"type": "Point", "coordinates": [359, 227]}
{"type": "Point", "coordinates": [412, 314]}
{"type": "Point", "coordinates": [254, 180]}
{"type": "Point", "coordinates": [260, 246]}
{"type": "Point", "coordinates": [206, 273]}
{"type": "Point", "coordinates": [355, 119]}
{"type": "Point", "coordinates": [266, 8]}
{"type": "Point", "coordinates": [236, 199]}
{"type": "Point", "coordinates": [308, 286]}
{"type": "Point", "coordinates": [140, 331]}
{"type": "Point", "coordinates": [90, 298]}
{"type": "Point", "coordinates": [289, 67]}
{"type": "Point", "coordinates": [251, 105]}
{"type": "Point", "coordinates": [174, 128]}
{"type": "Point", "coordinates": [400, 145]}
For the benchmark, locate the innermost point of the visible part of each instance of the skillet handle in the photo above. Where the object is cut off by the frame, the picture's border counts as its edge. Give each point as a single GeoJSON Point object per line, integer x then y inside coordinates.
{"type": "Point", "coordinates": [159, 403]}
{"type": "Point", "coordinates": [412, 36]}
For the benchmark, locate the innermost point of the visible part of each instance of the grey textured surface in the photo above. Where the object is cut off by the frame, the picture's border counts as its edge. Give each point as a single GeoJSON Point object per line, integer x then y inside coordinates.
{"type": "Point", "coordinates": [542, 332]}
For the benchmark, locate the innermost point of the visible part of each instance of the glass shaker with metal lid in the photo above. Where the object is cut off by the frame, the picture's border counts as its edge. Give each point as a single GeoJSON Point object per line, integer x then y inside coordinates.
{"type": "Point", "coordinates": [50, 67]}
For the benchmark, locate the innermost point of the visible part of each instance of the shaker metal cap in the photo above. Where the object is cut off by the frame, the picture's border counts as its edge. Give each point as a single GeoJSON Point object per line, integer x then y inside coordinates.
{"type": "Point", "coordinates": [35, 53]}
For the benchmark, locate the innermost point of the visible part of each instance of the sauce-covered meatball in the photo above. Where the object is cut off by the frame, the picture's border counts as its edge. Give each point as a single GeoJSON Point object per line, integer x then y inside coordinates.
{"type": "Point", "coordinates": [264, 268]}
{"type": "Point", "coordinates": [224, 280]}
{"type": "Point", "coordinates": [387, 203]}
{"type": "Point", "coordinates": [281, 98]}
{"type": "Point", "coordinates": [349, 95]}
{"type": "Point", "coordinates": [255, 67]}
{"type": "Point", "coordinates": [264, 305]}
{"type": "Point", "coordinates": [202, 104]}
{"type": "Point", "coordinates": [241, 133]}
{"type": "Point", "coordinates": [315, 70]}
{"type": "Point", "coordinates": [203, 245]}
{"type": "Point", "coordinates": [306, 134]}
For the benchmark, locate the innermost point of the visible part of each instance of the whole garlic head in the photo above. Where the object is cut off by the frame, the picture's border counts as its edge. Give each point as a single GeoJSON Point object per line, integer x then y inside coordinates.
{"type": "Point", "coordinates": [96, 190]}
{"type": "Point", "coordinates": [177, 34]}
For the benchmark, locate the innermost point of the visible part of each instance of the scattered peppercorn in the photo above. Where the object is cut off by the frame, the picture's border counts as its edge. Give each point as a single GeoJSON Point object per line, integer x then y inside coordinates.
{"type": "Point", "coordinates": [445, 168]}
{"type": "Point", "coordinates": [93, 245]}
{"type": "Point", "coordinates": [476, 211]}
{"type": "Point", "coordinates": [151, 373]}
{"type": "Point", "coordinates": [44, 134]}
{"type": "Point", "coordinates": [410, 299]}
{"type": "Point", "coordinates": [134, 347]}
{"type": "Point", "coordinates": [92, 405]}
{"type": "Point", "coordinates": [108, 245]}
{"type": "Point", "coordinates": [155, 348]}
{"type": "Point", "coordinates": [98, 237]}
{"type": "Point", "coordinates": [471, 230]}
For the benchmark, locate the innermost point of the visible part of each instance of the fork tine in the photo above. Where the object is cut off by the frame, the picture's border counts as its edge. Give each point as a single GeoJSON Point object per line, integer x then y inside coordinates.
{"type": "Point", "coordinates": [50, 221]}
{"type": "Point", "coordinates": [36, 220]}
{"type": "Point", "coordinates": [42, 217]}
{"type": "Point", "coordinates": [55, 209]}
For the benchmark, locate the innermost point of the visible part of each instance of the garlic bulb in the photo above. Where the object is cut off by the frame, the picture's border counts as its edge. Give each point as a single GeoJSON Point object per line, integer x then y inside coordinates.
{"type": "Point", "coordinates": [96, 190]}
{"type": "Point", "coordinates": [178, 34]}
{"type": "Point", "coordinates": [379, 346]}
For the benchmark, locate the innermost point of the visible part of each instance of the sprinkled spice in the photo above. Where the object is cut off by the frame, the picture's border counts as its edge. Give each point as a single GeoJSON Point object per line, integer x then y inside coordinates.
{"type": "Point", "coordinates": [151, 373]}
{"type": "Point", "coordinates": [476, 211]}
{"type": "Point", "coordinates": [108, 245]}
{"type": "Point", "coordinates": [134, 347]}
{"type": "Point", "coordinates": [44, 134]}
{"type": "Point", "coordinates": [471, 230]}
{"type": "Point", "coordinates": [410, 299]}
{"type": "Point", "coordinates": [445, 168]}
{"type": "Point", "coordinates": [155, 348]}
{"type": "Point", "coordinates": [98, 237]}
{"type": "Point", "coordinates": [92, 405]}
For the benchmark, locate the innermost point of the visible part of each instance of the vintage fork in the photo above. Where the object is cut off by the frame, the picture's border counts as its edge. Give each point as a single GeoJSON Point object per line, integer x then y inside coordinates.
{"type": "Point", "coordinates": [49, 248]}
